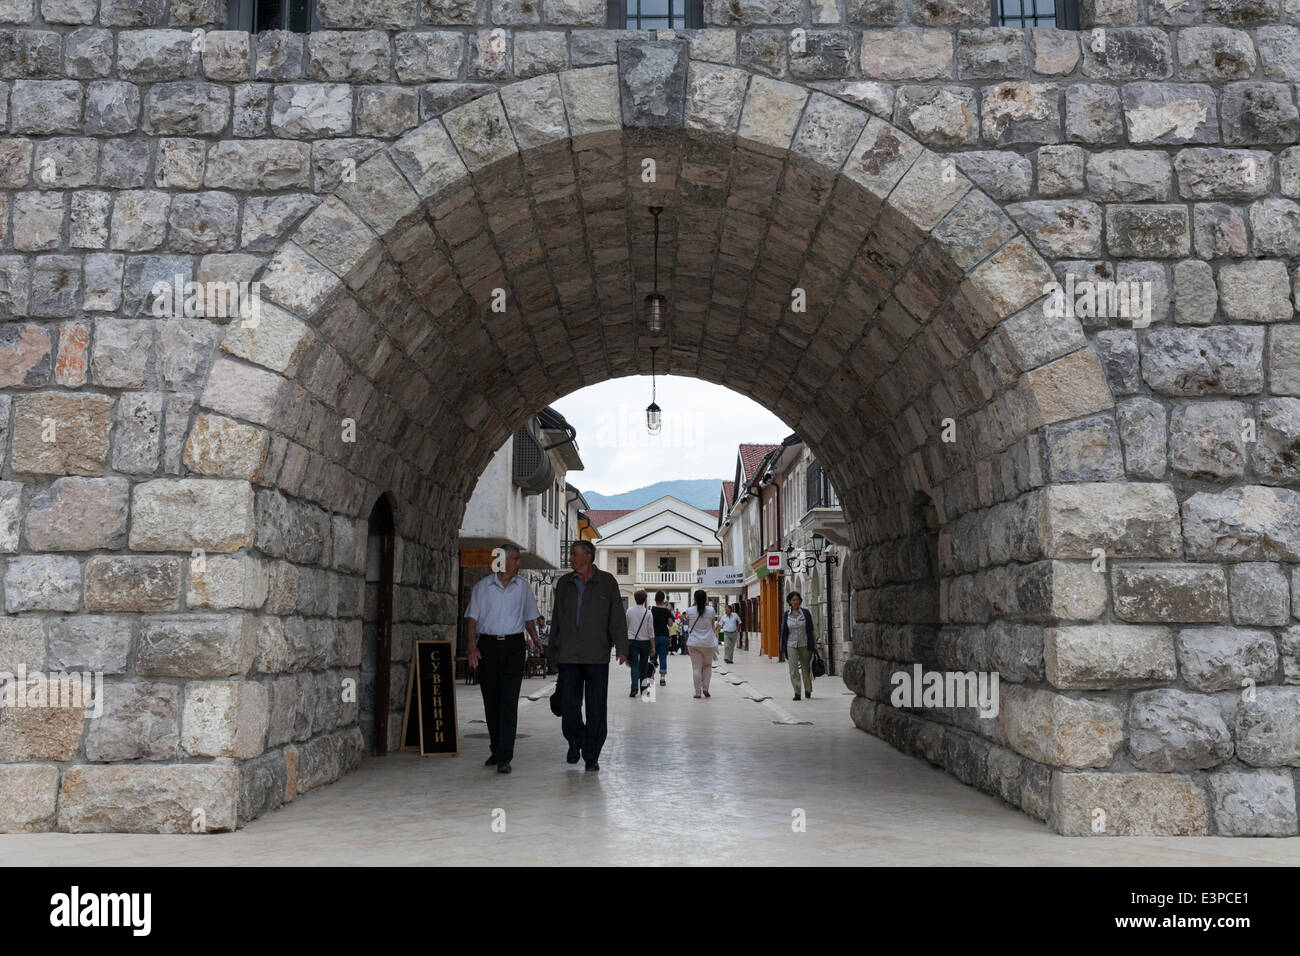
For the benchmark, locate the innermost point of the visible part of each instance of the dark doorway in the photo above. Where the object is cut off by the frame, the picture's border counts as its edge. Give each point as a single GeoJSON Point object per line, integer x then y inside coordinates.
{"type": "Point", "coordinates": [376, 662]}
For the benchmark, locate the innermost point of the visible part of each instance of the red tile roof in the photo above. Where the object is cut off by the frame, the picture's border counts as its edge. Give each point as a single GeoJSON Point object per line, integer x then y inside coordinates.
{"type": "Point", "coordinates": [727, 487]}
{"type": "Point", "coordinates": [711, 511]}
{"type": "Point", "coordinates": [751, 455]}
{"type": "Point", "coordinates": [600, 516]}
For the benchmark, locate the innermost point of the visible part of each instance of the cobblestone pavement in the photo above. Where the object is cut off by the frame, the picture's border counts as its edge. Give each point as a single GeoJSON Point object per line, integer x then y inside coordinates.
{"type": "Point", "coordinates": [682, 781]}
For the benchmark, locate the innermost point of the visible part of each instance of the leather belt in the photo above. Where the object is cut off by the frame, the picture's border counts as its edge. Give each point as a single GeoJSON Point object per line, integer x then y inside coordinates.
{"type": "Point", "coordinates": [502, 637]}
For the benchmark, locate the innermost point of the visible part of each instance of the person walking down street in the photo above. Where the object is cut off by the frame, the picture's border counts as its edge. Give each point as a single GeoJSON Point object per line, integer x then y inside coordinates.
{"type": "Point", "coordinates": [587, 620]}
{"type": "Point", "coordinates": [730, 631]}
{"type": "Point", "coordinates": [640, 639]}
{"type": "Point", "coordinates": [797, 642]}
{"type": "Point", "coordinates": [701, 640]}
{"type": "Point", "coordinates": [674, 632]}
{"type": "Point", "coordinates": [501, 607]}
{"type": "Point", "coordinates": [546, 644]}
{"type": "Point", "coordinates": [664, 630]}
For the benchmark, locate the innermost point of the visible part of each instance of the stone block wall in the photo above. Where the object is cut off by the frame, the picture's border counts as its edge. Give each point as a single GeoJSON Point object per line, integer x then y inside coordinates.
{"type": "Point", "coordinates": [180, 509]}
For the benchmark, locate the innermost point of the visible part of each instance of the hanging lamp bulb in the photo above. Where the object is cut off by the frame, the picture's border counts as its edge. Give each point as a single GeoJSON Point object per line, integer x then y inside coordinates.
{"type": "Point", "coordinates": [656, 303]}
{"type": "Point", "coordinates": [653, 416]}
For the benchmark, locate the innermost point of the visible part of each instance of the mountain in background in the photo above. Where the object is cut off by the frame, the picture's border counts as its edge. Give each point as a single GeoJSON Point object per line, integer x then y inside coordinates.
{"type": "Point", "coordinates": [703, 493]}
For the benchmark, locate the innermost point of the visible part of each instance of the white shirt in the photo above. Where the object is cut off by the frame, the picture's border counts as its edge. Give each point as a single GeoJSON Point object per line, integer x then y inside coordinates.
{"type": "Point", "coordinates": [701, 636]}
{"type": "Point", "coordinates": [731, 622]}
{"type": "Point", "coordinates": [501, 610]}
{"type": "Point", "coordinates": [640, 624]}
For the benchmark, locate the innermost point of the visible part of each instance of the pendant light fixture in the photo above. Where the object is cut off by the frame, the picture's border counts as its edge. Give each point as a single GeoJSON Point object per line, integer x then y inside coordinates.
{"type": "Point", "coordinates": [656, 303]}
{"type": "Point", "coordinates": [653, 417]}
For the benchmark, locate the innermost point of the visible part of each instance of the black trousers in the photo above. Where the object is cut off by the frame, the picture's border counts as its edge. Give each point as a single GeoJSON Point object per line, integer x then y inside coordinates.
{"type": "Point", "coordinates": [500, 675]}
{"type": "Point", "coordinates": [578, 682]}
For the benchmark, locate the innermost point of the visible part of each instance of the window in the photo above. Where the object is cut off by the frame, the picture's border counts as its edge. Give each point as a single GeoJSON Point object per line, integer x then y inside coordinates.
{"type": "Point", "coordinates": [621, 564]}
{"type": "Point", "coordinates": [1036, 13]}
{"type": "Point", "coordinates": [713, 563]}
{"type": "Point", "coordinates": [668, 563]}
{"type": "Point", "coordinates": [655, 14]}
{"type": "Point", "coordinates": [256, 16]}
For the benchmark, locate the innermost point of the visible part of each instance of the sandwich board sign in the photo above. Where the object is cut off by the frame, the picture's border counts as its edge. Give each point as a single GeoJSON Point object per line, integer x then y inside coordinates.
{"type": "Point", "coordinates": [429, 724]}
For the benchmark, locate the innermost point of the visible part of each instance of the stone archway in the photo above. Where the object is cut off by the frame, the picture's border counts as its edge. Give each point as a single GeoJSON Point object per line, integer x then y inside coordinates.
{"type": "Point", "coordinates": [920, 312]}
{"type": "Point", "coordinates": [922, 369]}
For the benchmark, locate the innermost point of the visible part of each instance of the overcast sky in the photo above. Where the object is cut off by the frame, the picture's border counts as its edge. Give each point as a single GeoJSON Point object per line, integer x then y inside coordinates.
{"type": "Point", "coordinates": [702, 425]}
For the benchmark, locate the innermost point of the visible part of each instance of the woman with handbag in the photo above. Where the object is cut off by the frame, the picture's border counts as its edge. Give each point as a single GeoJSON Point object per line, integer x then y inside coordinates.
{"type": "Point", "coordinates": [701, 641]}
{"type": "Point", "coordinates": [640, 640]}
{"type": "Point", "coordinates": [798, 643]}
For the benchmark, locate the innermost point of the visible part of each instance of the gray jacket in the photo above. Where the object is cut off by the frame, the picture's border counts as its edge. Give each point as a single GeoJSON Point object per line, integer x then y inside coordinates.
{"type": "Point", "coordinates": [603, 625]}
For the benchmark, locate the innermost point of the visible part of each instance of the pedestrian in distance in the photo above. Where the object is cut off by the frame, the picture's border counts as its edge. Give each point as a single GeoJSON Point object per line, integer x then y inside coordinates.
{"type": "Point", "coordinates": [798, 643]}
{"type": "Point", "coordinates": [730, 631]}
{"type": "Point", "coordinates": [640, 639]}
{"type": "Point", "coordinates": [673, 631]}
{"type": "Point", "coordinates": [664, 631]}
{"type": "Point", "coordinates": [551, 669]}
{"type": "Point", "coordinates": [587, 621]}
{"type": "Point", "coordinates": [700, 622]}
{"type": "Point", "coordinates": [501, 608]}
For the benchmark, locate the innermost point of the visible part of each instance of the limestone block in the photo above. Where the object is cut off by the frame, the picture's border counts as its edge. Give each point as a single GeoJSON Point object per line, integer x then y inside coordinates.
{"type": "Point", "coordinates": [1101, 656]}
{"type": "Point", "coordinates": [122, 583]}
{"type": "Point", "coordinates": [149, 798]}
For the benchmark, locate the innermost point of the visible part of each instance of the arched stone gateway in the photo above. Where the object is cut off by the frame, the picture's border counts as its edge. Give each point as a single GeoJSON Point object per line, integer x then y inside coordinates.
{"type": "Point", "coordinates": [1006, 517]}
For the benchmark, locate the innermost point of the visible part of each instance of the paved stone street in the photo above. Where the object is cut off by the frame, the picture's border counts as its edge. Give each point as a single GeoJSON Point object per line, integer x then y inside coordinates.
{"type": "Point", "coordinates": [682, 781]}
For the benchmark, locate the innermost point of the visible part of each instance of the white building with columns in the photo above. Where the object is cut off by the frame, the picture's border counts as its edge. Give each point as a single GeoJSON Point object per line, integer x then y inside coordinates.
{"type": "Point", "coordinates": [659, 546]}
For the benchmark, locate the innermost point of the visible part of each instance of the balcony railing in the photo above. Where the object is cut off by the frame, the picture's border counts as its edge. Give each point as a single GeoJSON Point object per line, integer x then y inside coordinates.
{"type": "Point", "coordinates": [665, 577]}
{"type": "Point", "coordinates": [820, 494]}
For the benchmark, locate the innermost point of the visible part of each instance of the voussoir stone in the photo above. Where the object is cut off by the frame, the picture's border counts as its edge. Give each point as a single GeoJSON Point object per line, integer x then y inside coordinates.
{"type": "Point", "coordinates": [652, 82]}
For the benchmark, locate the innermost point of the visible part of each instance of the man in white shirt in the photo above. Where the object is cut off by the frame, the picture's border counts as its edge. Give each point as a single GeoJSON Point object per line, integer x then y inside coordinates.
{"type": "Point", "coordinates": [501, 608]}
{"type": "Point", "coordinates": [730, 630]}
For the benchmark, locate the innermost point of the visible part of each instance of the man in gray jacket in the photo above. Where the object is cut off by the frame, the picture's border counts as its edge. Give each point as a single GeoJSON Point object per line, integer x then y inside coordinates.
{"type": "Point", "coordinates": [587, 620]}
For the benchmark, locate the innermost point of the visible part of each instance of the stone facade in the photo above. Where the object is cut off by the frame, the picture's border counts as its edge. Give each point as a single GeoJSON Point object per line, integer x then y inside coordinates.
{"type": "Point", "coordinates": [1103, 510]}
